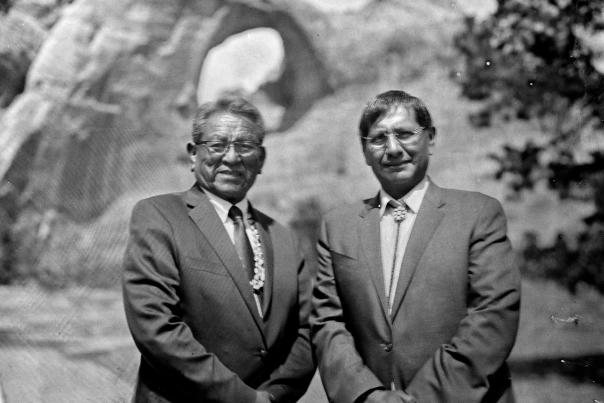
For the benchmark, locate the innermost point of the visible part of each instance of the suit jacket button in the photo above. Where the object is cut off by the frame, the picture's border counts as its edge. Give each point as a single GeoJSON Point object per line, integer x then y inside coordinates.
{"type": "Point", "coordinates": [263, 353]}
{"type": "Point", "coordinates": [388, 347]}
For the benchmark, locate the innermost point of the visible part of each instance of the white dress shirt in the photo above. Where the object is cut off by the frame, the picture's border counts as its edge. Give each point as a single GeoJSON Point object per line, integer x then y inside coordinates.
{"type": "Point", "coordinates": [222, 208]}
{"type": "Point", "coordinates": [413, 199]}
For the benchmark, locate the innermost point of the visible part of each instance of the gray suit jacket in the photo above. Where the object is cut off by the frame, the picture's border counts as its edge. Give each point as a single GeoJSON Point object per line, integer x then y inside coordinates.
{"type": "Point", "coordinates": [455, 313]}
{"type": "Point", "coordinates": [191, 311]}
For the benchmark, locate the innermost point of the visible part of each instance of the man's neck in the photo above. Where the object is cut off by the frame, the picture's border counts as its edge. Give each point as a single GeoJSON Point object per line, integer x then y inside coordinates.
{"type": "Point", "coordinates": [225, 199]}
{"type": "Point", "coordinates": [413, 199]}
{"type": "Point", "coordinates": [222, 205]}
{"type": "Point", "coordinates": [398, 193]}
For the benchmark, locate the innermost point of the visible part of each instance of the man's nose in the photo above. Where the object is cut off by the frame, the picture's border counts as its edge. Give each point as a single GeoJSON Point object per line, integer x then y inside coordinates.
{"type": "Point", "coordinates": [230, 155]}
{"type": "Point", "coordinates": [393, 146]}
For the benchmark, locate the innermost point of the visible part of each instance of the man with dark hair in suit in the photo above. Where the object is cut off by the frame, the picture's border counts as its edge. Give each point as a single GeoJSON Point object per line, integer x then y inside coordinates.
{"type": "Point", "coordinates": [217, 296]}
{"type": "Point", "coordinates": [417, 293]}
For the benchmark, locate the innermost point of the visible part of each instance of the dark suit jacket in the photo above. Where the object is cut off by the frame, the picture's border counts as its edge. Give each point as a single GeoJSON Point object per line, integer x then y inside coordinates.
{"type": "Point", "coordinates": [191, 311]}
{"type": "Point", "coordinates": [455, 313]}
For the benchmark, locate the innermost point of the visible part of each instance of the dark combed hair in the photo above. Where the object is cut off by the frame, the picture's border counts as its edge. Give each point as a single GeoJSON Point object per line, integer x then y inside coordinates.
{"type": "Point", "coordinates": [235, 105]}
{"type": "Point", "coordinates": [388, 100]}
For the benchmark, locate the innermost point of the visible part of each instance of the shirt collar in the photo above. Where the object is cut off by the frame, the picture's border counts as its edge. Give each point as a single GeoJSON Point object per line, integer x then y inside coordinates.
{"type": "Point", "coordinates": [222, 206]}
{"type": "Point", "coordinates": [413, 198]}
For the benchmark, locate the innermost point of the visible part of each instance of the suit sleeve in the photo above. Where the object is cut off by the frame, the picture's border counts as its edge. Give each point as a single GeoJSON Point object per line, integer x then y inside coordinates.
{"type": "Point", "coordinates": [291, 379]}
{"type": "Point", "coordinates": [343, 372]}
{"type": "Point", "coordinates": [151, 300]}
{"type": "Point", "coordinates": [461, 371]}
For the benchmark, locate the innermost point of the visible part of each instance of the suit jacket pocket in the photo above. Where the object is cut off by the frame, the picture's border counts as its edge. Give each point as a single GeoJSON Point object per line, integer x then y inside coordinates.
{"type": "Point", "coordinates": [207, 265]}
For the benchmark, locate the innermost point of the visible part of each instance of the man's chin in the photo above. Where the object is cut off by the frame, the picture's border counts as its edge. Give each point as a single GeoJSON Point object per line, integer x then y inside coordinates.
{"type": "Point", "coordinates": [231, 193]}
{"type": "Point", "coordinates": [402, 177]}
{"type": "Point", "coordinates": [399, 180]}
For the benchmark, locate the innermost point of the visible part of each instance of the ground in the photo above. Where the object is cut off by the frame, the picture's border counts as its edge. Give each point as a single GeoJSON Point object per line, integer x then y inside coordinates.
{"type": "Point", "coordinates": [73, 345]}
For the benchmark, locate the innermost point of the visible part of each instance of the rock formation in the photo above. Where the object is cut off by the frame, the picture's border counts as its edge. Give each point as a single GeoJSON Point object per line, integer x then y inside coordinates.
{"type": "Point", "coordinates": [107, 106]}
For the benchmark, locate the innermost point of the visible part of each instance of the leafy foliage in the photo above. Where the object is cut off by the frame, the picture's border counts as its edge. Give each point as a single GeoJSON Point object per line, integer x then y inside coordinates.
{"type": "Point", "coordinates": [5, 5]}
{"type": "Point", "coordinates": [530, 60]}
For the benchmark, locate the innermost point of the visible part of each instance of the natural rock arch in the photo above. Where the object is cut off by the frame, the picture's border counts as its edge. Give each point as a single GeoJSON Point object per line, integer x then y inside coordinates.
{"type": "Point", "coordinates": [303, 79]}
{"type": "Point", "coordinates": [107, 109]}
{"type": "Point", "coordinates": [109, 79]}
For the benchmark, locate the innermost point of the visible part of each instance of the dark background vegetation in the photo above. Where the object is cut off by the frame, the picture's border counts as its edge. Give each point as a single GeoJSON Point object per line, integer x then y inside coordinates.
{"type": "Point", "coordinates": [528, 61]}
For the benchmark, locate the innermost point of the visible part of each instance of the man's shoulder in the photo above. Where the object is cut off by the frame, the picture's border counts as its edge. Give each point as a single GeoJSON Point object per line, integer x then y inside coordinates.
{"type": "Point", "coordinates": [266, 220]}
{"type": "Point", "coordinates": [344, 212]}
{"type": "Point", "coordinates": [161, 200]}
{"type": "Point", "coordinates": [467, 199]}
{"type": "Point", "coordinates": [167, 205]}
{"type": "Point", "coordinates": [277, 229]}
{"type": "Point", "coordinates": [464, 195]}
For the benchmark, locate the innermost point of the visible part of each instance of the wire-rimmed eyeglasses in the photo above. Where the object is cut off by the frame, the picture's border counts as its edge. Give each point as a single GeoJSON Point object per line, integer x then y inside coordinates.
{"type": "Point", "coordinates": [242, 148]}
{"type": "Point", "coordinates": [404, 137]}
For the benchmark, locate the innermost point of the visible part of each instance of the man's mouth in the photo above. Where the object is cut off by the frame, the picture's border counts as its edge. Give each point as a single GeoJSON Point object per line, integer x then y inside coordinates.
{"type": "Point", "coordinates": [230, 174]}
{"type": "Point", "coordinates": [395, 166]}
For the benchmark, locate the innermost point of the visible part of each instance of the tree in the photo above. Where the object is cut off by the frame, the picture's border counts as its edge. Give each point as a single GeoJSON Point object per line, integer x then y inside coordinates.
{"type": "Point", "coordinates": [530, 60]}
{"type": "Point", "coordinates": [5, 5]}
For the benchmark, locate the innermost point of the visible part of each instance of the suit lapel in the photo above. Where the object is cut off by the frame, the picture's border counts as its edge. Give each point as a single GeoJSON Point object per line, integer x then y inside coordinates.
{"type": "Point", "coordinates": [428, 219]}
{"type": "Point", "coordinates": [369, 238]}
{"type": "Point", "coordinates": [267, 246]}
{"type": "Point", "coordinates": [204, 216]}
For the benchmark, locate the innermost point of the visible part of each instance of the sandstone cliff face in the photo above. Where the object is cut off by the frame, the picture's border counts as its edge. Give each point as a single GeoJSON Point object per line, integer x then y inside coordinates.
{"type": "Point", "coordinates": [106, 109]}
{"type": "Point", "coordinates": [20, 37]}
{"type": "Point", "coordinates": [111, 79]}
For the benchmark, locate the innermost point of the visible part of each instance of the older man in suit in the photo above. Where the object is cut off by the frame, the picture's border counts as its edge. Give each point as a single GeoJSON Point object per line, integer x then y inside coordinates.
{"type": "Point", "coordinates": [216, 294]}
{"type": "Point", "coordinates": [417, 294]}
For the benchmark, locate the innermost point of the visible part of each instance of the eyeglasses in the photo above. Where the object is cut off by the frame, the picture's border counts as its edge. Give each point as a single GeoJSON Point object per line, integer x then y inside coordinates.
{"type": "Point", "coordinates": [242, 148]}
{"type": "Point", "coordinates": [404, 137]}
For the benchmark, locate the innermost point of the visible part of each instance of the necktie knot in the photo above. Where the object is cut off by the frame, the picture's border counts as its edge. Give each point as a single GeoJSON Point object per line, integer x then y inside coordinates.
{"type": "Point", "coordinates": [236, 214]}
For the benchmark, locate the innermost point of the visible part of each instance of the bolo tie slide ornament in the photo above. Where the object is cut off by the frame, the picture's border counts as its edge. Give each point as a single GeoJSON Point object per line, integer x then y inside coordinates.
{"type": "Point", "coordinates": [399, 213]}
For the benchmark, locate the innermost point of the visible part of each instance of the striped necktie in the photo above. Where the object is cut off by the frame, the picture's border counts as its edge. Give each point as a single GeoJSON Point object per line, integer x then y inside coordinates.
{"type": "Point", "coordinates": [242, 243]}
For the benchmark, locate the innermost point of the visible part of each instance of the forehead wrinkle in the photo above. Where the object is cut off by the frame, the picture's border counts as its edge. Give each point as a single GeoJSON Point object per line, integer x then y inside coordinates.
{"type": "Point", "coordinates": [233, 126]}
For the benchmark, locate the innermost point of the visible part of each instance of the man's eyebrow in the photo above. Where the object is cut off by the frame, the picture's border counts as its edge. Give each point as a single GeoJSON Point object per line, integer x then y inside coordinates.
{"type": "Point", "coordinates": [398, 128]}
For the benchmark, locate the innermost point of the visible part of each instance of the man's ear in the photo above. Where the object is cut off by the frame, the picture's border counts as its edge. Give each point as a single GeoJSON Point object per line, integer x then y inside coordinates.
{"type": "Point", "coordinates": [366, 154]}
{"type": "Point", "coordinates": [192, 151]}
{"type": "Point", "coordinates": [432, 135]}
{"type": "Point", "coordinates": [262, 158]}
